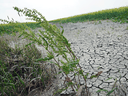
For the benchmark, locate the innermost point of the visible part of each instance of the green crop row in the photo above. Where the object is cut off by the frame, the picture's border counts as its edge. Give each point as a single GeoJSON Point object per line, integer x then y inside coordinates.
{"type": "Point", "coordinates": [99, 15]}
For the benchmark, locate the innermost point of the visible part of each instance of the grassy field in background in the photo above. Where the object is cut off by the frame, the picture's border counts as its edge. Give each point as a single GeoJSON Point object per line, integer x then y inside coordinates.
{"type": "Point", "coordinates": [99, 15]}
{"type": "Point", "coordinates": [116, 15]}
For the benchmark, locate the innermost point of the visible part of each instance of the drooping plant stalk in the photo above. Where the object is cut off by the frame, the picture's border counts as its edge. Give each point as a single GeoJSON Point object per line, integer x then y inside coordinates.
{"type": "Point", "coordinates": [52, 38]}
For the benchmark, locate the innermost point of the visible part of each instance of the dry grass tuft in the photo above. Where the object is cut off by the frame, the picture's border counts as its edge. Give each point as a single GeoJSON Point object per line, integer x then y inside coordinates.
{"type": "Point", "coordinates": [19, 73]}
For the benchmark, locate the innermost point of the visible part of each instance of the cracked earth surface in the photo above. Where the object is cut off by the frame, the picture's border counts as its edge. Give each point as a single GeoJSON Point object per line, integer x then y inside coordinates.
{"type": "Point", "coordinates": [101, 47]}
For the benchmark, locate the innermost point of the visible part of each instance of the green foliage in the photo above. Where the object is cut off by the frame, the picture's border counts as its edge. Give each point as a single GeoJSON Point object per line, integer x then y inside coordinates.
{"type": "Point", "coordinates": [12, 74]}
{"type": "Point", "coordinates": [11, 27]}
{"type": "Point", "coordinates": [122, 18]}
{"type": "Point", "coordinates": [53, 39]}
{"type": "Point", "coordinates": [100, 22]}
{"type": "Point", "coordinates": [86, 76]}
{"type": "Point", "coordinates": [102, 90]}
{"type": "Point", "coordinates": [60, 90]}
{"type": "Point", "coordinates": [108, 92]}
{"type": "Point", "coordinates": [93, 76]}
{"type": "Point", "coordinates": [111, 91]}
{"type": "Point", "coordinates": [99, 15]}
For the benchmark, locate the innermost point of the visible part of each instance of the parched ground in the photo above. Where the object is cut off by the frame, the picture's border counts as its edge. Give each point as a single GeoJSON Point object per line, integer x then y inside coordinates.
{"type": "Point", "coordinates": [100, 47]}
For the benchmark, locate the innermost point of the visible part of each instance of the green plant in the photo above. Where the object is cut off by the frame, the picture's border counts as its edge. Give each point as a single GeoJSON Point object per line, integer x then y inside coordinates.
{"type": "Point", "coordinates": [53, 38]}
{"type": "Point", "coordinates": [111, 28]}
{"type": "Point", "coordinates": [108, 32]}
{"type": "Point", "coordinates": [78, 31]}
{"type": "Point", "coordinates": [127, 28]}
{"type": "Point", "coordinates": [112, 90]}
{"type": "Point", "coordinates": [100, 22]}
{"type": "Point", "coordinates": [119, 36]}
{"type": "Point", "coordinates": [18, 71]}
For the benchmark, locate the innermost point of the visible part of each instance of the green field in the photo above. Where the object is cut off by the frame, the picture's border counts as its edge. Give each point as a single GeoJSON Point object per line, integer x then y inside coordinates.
{"type": "Point", "coordinates": [116, 15]}
{"type": "Point", "coordinates": [120, 13]}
